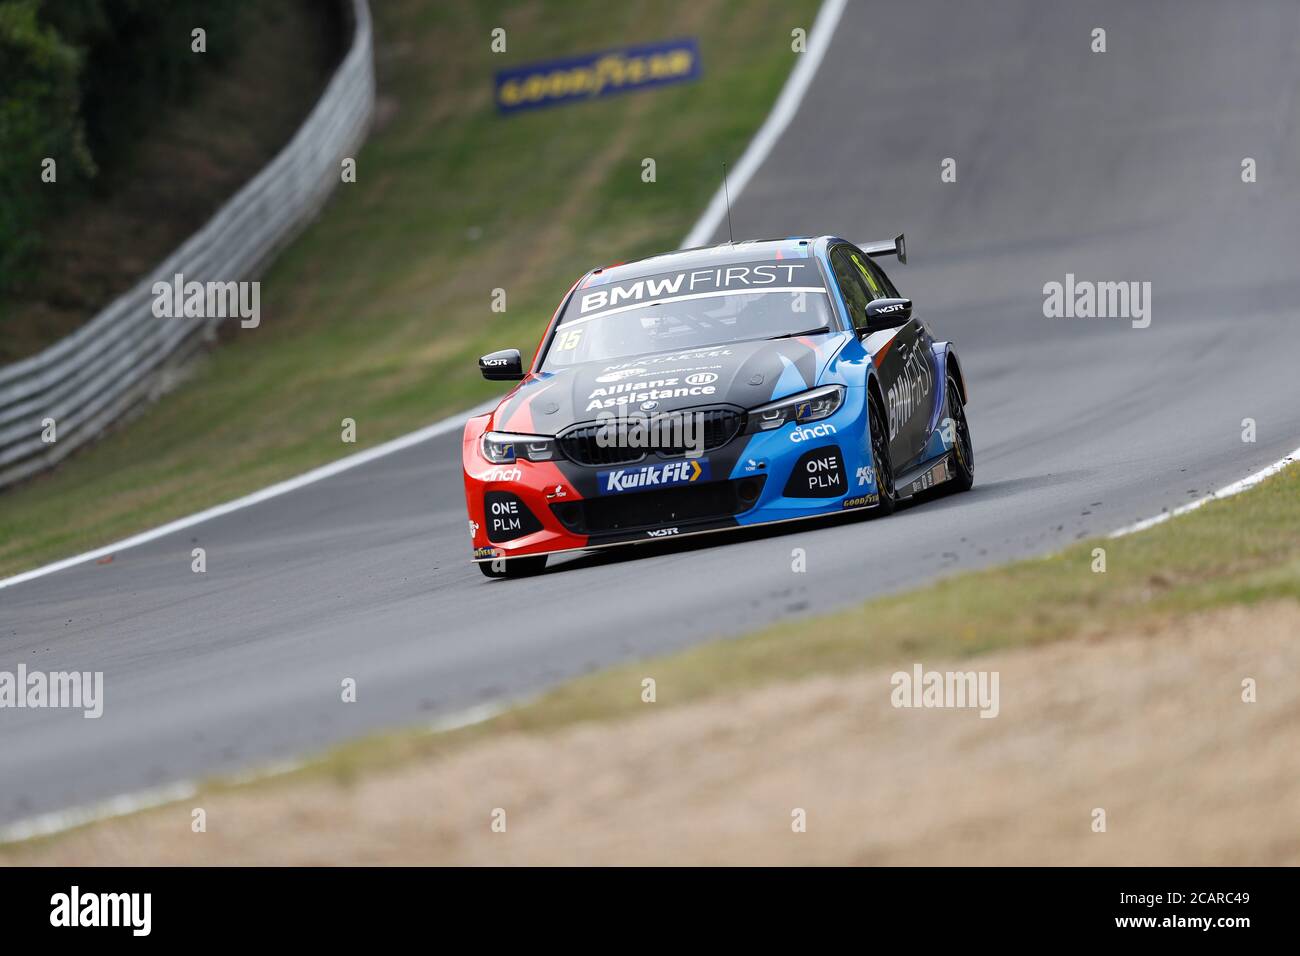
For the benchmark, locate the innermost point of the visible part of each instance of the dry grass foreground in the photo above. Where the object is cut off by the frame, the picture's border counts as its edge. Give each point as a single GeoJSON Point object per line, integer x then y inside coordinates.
{"type": "Point", "coordinates": [1149, 725]}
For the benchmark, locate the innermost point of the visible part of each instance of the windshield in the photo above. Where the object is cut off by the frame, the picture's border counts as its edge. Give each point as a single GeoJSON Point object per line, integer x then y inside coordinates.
{"type": "Point", "coordinates": [690, 309]}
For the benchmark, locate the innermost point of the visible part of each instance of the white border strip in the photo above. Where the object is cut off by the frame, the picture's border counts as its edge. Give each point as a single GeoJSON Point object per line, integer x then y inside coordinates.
{"type": "Point", "coordinates": [257, 497]}
{"type": "Point", "coordinates": [1227, 491]}
{"type": "Point", "coordinates": [60, 821]}
{"type": "Point", "coordinates": [787, 104]}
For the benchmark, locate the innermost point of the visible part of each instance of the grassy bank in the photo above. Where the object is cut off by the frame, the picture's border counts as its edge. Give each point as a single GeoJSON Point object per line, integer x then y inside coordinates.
{"type": "Point", "coordinates": [379, 310]}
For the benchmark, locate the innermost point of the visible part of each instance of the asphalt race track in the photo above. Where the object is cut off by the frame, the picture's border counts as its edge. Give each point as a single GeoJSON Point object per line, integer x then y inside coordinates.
{"type": "Point", "coordinates": [1122, 166]}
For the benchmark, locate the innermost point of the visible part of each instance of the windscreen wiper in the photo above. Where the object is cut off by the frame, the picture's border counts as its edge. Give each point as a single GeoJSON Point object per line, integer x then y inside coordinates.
{"type": "Point", "coordinates": [794, 335]}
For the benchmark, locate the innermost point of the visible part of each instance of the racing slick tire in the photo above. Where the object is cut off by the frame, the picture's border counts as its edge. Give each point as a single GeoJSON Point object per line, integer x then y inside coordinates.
{"type": "Point", "coordinates": [512, 567]}
{"type": "Point", "coordinates": [963, 452]}
{"type": "Point", "coordinates": [880, 460]}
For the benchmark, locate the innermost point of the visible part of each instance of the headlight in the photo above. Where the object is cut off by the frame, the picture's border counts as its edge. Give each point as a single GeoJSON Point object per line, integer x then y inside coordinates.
{"type": "Point", "coordinates": [805, 407]}
{"type": "Point", "coordinates": [503, 448]}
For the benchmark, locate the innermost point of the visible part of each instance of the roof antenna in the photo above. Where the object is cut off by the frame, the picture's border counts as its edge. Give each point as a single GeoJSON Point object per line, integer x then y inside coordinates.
{"type": "Point", "coordinates": [731, 239]}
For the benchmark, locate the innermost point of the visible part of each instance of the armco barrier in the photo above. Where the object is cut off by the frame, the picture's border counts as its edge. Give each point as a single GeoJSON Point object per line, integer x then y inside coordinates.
{"type": "Point", "coordinates": [123, 355]}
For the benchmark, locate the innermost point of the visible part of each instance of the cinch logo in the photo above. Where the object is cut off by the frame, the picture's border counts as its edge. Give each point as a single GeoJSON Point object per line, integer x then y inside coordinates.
{"type": "Point", "coordinates": [652, 476]}
{"type": "Point", "coordinates": [807, 432]}
{"type": "Point", "coordinates": [502, 474]}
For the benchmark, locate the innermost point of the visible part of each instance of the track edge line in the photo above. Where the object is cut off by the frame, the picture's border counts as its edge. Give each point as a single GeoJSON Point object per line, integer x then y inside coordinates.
{"type": "Point", "coordinates": [320, 473]}
{"type": "Point", "coordinates": [1227, 491]}
{"type": "Point", "coordinates": [787, 104]}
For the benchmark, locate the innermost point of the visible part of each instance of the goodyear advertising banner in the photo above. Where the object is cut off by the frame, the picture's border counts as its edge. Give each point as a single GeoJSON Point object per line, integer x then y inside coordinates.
{"type": "Point", "coordinates": [596, 74]}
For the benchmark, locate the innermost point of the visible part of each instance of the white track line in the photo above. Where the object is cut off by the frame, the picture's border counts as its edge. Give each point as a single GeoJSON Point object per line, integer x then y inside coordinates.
{"type": "Point", "coordinates": [787, 104]}
{"type": "Point", "coordinates": [59, 821]}
{"type": "Point", "coordinates": [257, 497]}
{"type": "Point", "coordinates": [478, 714]}
{"type": "Point", "coordinates": [1227, 491]}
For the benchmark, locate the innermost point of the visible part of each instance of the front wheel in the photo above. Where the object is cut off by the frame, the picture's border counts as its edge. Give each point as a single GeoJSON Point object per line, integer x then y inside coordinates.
{"type": "Point", "coordinates": [512, 567]}
{"type": "Point", "coordinates": [963, 452]}
{"type": "Point", "coordinates": [880, 460]}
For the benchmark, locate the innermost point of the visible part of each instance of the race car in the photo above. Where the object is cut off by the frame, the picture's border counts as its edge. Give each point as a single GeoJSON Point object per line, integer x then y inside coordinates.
{"type": "Point", "coordinates": [716, 388]}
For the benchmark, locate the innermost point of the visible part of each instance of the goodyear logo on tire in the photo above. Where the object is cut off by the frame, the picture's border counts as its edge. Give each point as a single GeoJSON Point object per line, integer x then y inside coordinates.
{"type": "Point", "coordinates": [596, 74]}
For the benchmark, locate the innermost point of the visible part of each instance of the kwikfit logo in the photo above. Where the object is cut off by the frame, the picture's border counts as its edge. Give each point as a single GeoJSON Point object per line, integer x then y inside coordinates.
{"type": "Point", "coordinates": [652, 476]}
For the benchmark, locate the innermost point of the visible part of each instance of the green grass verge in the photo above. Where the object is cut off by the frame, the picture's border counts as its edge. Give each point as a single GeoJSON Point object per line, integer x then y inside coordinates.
{"type": "Point", "coordinates": [378, 312]}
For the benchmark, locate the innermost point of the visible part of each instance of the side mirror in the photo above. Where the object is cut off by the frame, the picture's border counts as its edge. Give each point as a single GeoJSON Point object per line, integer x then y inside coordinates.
{"type": "Point", "coordinates": [502, 366]}
{"type": "Point", "coordinates": [888, 313]}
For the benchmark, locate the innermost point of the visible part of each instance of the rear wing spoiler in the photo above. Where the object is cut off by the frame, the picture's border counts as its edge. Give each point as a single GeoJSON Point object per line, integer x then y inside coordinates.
{"type": "Point", "coordinates": [895, 247]}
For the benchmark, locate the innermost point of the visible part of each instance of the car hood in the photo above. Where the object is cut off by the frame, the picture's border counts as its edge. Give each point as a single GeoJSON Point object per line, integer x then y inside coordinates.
{"type": "Point", "coordinates": [745, 374]}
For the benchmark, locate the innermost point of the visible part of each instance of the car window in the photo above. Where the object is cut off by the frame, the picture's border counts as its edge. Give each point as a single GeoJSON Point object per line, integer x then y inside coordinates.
{"type": "Point", "coordinates": [874, 276]}
{"type": "Point", "coordinates": [856, 294]}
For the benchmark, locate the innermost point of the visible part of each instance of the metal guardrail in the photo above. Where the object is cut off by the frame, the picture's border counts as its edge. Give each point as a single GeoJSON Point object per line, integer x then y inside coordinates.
{"type": "Point", "coordinates": [123, 355]}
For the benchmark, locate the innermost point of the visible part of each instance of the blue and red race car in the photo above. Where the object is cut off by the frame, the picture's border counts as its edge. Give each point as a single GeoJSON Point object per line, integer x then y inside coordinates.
{"type": "Point", "coordinates": [706, 389]}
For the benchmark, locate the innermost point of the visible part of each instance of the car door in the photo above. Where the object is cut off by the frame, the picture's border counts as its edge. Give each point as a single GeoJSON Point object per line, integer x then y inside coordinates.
{"type": "Point", "coordinates": [880, 343]}
{"type": "Point", "coordinates": [906, 367]}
